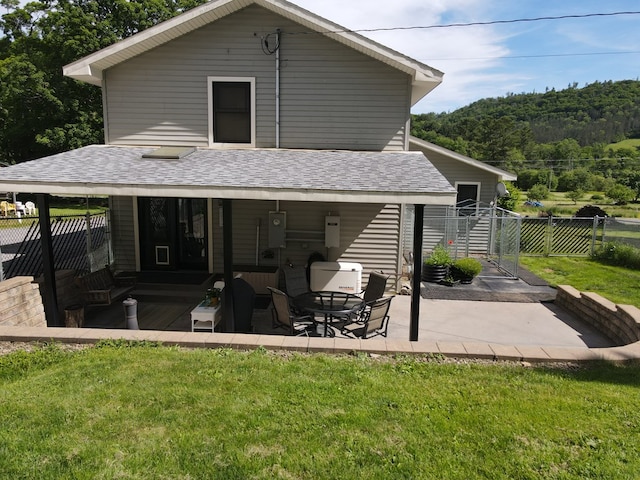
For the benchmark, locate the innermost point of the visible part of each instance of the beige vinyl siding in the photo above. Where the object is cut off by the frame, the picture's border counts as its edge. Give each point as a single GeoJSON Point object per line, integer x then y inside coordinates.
{"type": "Point", "coordinates": [457, 171]}
{"type": "Point", "coordinates": [331, 96]}
{"type": "Point", "coordinates": [369, 234]}
{"type": "Point", "coordinates": [123, 233]}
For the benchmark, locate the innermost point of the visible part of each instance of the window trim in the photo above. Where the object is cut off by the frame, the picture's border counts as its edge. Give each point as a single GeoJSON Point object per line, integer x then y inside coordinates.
{"type": "Point", "coordinates": [252, 91]}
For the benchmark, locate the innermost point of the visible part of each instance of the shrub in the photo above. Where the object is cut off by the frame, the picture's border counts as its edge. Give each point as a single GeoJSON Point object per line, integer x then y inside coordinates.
{"type": "Point", "coordinates": [619, 254]}
{"type": "Point", "coordinates": [621, 194]}
{"type": "Point", "coordinates": [590, 211]}
{"type": "Point", "coordinates": [466, 267]}
{"type": "Point", "coordinates": [439, 256]}
{"type": "Point", "coordinates": [538, 192]}
{"type": "Point", "coordinates": [510, 201]}
{"type": "Point", "coordinates": [597, 196]}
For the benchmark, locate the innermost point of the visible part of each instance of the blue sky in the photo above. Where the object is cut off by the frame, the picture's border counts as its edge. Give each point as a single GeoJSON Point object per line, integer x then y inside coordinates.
{"type": "Point", "coordinates": [493, 60]}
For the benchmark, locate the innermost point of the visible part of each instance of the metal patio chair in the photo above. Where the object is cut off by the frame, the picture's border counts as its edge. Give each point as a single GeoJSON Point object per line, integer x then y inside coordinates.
{"type": "Point", "coordinates": [284, 317]}
{"type": "Point", "coordinates": [374, 321]}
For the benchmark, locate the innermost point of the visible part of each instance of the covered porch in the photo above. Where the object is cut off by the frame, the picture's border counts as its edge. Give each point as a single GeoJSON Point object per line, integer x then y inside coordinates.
{"type": "Point", "coordinates": [523, 320]}
{"type": "Point", "coordinates": [226, 178]}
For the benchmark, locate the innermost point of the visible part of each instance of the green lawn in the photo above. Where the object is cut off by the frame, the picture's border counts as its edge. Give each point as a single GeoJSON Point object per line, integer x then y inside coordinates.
{"type": "Point", "coordinates": [562, 206]}
{"type": "Point", "coordinates": [620, 285]}
{"type": "Point", "coordinates": [154, 412]}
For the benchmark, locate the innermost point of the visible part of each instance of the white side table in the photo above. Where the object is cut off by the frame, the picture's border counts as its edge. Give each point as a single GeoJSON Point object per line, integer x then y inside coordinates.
{"type": "Point", "coordinates": [205, 318]}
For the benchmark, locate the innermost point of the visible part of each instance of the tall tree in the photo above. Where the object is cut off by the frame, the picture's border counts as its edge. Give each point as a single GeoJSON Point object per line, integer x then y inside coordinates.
{"type": "Point", "coordinates": [42, 112]}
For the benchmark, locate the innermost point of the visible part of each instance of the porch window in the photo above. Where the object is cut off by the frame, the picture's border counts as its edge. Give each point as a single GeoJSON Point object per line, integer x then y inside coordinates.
{"type": "Point", "coordinates": [232, 112]}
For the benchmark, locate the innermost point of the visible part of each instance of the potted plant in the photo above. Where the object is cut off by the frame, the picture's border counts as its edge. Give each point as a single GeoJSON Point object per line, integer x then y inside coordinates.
{"type": "Point", "coordinates": [465, 269]}
{"type": "Point", "coordinates": [212, 297]}
{"type": "Point", "coordinates": [436, 265]}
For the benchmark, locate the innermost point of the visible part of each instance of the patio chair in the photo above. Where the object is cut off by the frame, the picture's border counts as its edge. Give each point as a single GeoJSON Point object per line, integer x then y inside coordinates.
{"type": "Point", "coordinates": [30, 208]}
{"type": "Point", "coordinates": [7, 208]}
{"type": "Point", "coordinates": [283, 317]}
{"type": "Point", "coordinates": [375, 287]}
{"type": "Point", "coordinates": [295, 281]}
{"type": "Point", "coordinates": [374, 321]}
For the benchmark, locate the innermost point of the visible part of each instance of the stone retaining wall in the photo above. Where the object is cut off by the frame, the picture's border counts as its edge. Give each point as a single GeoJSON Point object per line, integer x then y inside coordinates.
{"type": "Point", "coordinates": [21, 303]}
{"type": "Point", "coordinates": [621, 323]}
{"type": "Point", "coordinates": [67, 291]}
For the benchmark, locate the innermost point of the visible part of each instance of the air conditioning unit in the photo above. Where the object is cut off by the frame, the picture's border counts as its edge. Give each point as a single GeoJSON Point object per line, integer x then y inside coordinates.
{"type": "Point", "coordinates": [336, 277]}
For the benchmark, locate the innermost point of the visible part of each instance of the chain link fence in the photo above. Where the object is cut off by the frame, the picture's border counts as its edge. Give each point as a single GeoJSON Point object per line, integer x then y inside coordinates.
{"type": "Point", "coordinates": [80, 242]}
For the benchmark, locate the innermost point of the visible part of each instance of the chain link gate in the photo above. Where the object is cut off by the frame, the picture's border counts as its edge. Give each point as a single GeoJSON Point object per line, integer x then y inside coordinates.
{"type": "Point", "coordinates": [483, 231]}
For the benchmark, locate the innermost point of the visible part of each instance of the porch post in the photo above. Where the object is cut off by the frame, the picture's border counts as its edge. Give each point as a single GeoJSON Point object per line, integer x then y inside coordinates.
{"type": "Point", "coordinates": [50, 292]}
{"type": "Point", "coordinates": [418, 226]}
{"type": "Point", "coordinates": [227, 254]}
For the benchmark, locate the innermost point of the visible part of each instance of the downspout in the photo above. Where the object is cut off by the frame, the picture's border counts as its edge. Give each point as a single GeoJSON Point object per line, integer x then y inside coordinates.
{"type": "Point", "coordinates": [277, 88]}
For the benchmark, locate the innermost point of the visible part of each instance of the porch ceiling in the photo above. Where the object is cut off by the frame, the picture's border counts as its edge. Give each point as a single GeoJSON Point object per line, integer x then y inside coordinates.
{"type": "Point", "coordinates": [260, 174]}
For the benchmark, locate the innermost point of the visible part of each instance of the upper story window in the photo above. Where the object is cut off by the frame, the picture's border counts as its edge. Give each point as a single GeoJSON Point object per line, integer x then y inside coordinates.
{"type": "Point", "coordinates": [232, 111]}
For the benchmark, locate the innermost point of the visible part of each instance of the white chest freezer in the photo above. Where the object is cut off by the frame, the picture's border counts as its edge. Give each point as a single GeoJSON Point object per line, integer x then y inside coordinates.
{"type": "Point", "coordinates": [336, 277]}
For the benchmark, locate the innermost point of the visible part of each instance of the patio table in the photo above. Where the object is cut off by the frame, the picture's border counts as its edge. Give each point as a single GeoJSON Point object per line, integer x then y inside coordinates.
{"type": "Point", "coordinates": [329, 305]}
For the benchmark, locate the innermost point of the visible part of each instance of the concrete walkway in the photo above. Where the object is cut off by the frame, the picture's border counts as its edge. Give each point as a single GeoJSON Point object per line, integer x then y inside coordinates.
{"type": "Point", "coordinates": [494, 318]}
{"type": "Point", "coordinates": [529, 332]}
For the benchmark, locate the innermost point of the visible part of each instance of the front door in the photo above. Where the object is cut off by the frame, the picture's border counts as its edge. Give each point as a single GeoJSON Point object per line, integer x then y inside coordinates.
{"type": "Point", "coordinates": [173, 233]}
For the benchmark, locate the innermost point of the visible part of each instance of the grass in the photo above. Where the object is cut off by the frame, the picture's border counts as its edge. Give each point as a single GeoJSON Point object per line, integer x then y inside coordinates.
{"type": "Point", "coordinates": [618, 284]}
{"type": "Point", "coordinates": [560, 205]}
{"type": "Point", "coordinates": [628, 143]}
{"type": "Point", "coordinates": [126, 411]}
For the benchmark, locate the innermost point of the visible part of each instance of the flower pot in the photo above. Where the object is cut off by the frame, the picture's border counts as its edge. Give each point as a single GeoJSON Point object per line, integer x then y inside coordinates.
{"type": "Point", "coordinates": [434, 273]}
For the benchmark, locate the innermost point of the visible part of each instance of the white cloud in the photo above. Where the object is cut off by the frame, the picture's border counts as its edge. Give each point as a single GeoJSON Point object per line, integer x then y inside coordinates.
{"type": "Point", "coordinates": [465, 55]}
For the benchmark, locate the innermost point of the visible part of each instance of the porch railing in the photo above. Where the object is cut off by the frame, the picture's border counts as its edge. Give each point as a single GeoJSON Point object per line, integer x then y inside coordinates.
{"type": "Point", "coordinates": [80, 242]}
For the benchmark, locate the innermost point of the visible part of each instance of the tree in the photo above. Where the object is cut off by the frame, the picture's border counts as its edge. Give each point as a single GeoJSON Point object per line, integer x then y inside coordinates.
{"type": "Point", "coordinates": [578, 179]}
{"type": "Point", "coordinates": [631, 178]}
{"type": "Point", "coordinates": [538, 192]}
{"type": "Point", "coordinates": [41, 111]}
{"type": "Point", "coordinates": [575, 195]}
{"type": "Point", "coordinates": [621, 194]}
{"type": "Point", "coordinates": [510, 201]}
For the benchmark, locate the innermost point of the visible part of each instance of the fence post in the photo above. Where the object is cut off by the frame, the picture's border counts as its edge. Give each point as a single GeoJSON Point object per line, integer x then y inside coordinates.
{"type": "Point", "coordinates": [89, 242]}
{"type": "Point", "coordinates": [466, 234]}
{"type": "Point", "coordinates": [594, 234]}
{"type": "Point", "coordinates": [549, 239]}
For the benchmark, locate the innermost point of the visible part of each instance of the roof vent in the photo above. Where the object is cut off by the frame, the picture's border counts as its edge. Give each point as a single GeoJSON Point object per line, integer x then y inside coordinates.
{"type": "Point", "coordinates": [169, 153]}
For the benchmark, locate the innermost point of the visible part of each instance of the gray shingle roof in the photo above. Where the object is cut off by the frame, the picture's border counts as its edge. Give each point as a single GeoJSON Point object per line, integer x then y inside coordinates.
{"type": "Point", "coordinates": [241, 173]}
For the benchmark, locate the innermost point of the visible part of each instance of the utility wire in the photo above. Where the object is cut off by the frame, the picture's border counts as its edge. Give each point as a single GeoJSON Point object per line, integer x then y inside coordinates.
{"type": "Point", "coordinates": [535, 56]}
{"type": "Point", "coordinates": [473, 24]}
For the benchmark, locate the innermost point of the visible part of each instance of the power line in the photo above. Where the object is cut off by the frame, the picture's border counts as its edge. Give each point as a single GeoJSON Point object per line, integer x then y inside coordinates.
{"type": "Point", "coordinates": [474, 24]}
{"type": "Point", "coordinates": [634, 52]}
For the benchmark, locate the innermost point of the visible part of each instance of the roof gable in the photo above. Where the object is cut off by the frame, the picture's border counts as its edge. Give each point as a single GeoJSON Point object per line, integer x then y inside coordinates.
{"type": "Point", "coordinates": [89, 69]}
{"type": "Point", "coordinates": [427, 147]}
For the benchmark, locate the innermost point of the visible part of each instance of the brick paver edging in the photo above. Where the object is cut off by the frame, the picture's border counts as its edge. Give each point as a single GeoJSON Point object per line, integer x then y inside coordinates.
{"type": "Point", "coordinates": [377, 345]}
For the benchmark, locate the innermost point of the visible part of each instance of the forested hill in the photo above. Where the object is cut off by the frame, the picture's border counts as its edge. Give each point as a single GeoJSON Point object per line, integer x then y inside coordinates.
{"type": "Point", "coordinates": [599, 113]}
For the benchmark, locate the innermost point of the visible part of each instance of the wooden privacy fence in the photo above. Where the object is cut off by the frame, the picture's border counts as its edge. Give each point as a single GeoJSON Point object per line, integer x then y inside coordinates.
{"type": "Point", "coordinates": [80, 243]}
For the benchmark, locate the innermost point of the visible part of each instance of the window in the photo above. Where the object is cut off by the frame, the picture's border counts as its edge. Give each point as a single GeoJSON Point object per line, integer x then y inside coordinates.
{"type": "Point", "coordinates": [468, 197]}
{"type": "Point", "coordinates": [232, 113]}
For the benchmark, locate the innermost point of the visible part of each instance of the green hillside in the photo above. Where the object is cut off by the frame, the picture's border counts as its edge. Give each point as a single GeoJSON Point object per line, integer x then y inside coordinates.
{"type": "Point", "coordinates": [534, 130]}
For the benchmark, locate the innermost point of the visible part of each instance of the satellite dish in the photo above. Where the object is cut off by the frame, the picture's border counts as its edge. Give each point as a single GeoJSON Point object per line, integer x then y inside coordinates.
{"type": "Point", "coordinates": [501, 190]}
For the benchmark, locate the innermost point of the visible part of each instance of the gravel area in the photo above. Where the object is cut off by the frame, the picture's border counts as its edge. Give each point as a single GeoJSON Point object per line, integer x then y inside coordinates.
{"type": "Point", "coordinates": [9, 347]}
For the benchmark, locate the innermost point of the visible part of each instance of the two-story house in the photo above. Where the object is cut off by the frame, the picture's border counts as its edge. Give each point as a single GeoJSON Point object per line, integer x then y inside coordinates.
{"type": "Point", "coordinates": [237, 131]}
